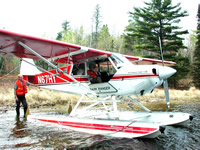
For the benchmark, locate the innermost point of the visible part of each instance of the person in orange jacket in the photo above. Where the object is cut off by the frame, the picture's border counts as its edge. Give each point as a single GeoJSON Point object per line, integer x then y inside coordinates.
{"type": "Point", "coordinates": [20, 89]}
{"type": "Point", "coordinates": [93, 75]}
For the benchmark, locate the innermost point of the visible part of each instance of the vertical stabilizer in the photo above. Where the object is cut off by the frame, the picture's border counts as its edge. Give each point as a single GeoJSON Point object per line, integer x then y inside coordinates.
{"type": "Point", "coordinates": [28, 69]}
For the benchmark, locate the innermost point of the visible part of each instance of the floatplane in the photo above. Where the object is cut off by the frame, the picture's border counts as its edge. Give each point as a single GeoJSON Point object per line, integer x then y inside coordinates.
{"type": "Point", "coordinates": [121, 76]}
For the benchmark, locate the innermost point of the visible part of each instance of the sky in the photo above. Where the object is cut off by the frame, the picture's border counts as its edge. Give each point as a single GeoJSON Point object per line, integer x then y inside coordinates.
{"type": "Point", "coordinates": [44, 18]}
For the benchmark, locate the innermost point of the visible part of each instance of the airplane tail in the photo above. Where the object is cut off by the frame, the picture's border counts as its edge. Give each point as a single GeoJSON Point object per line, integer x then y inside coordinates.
{"type": "Point", "coordinates": [28, 69]}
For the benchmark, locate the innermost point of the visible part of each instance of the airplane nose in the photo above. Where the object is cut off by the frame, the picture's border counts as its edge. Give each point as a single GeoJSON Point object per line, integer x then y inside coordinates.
{"type": "Point", "coordinates": [166, 72]}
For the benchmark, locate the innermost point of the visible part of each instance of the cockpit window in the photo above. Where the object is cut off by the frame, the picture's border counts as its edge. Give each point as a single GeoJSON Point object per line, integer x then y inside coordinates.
{"type": "Point", "coordinates": [107, 67]}
{"type": "Point", "coordinates": [79, 69]}
{"type": "Point", "coordinates": [119, 60]}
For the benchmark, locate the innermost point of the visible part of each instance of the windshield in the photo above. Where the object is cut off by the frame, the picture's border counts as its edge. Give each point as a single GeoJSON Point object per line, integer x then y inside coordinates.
{"type": "Point", "coordinates": [120, 60]}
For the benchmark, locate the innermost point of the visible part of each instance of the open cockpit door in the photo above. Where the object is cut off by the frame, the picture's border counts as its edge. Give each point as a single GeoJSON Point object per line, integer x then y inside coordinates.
{"type": "Point", "coordinates": [104, 68]}
{"type": "Point", "coordinates": [105, 71]}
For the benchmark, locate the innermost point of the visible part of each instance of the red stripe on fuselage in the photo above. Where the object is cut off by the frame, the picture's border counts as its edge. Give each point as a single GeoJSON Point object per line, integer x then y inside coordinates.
{"type": "Point", "coordinates": [83, 79]}
{"type": "Point", "coordinates": [133, 76]}
{"type": "Point", "coordinates": [104, 127]}
{"type": "Point", "coordinates": [44, 79]}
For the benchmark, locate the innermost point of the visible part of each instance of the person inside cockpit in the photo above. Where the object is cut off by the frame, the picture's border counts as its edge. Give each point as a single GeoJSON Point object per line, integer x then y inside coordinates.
{"type": "Point", "coordinates": [93, 75]}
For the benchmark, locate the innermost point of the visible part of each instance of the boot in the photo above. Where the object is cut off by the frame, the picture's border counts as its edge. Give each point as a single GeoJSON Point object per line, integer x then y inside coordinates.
{"type": "Point", "coordinates": [25, 112]}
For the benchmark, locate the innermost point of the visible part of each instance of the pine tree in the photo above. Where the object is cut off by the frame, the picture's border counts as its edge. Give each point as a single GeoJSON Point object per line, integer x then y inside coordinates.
{"type": "Point", "coordinates": [65, 25]}
{"type": "Point", "coordinates": [159, 19]}
{"type": "Point", "coordinates": [97, 21]}
{"type": "Point", "coordinates": [66, 28]}
{"type": "Point", "coordinates": [196, 65]}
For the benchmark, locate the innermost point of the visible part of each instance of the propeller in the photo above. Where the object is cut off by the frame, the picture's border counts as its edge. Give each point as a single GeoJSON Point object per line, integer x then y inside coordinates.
{"type": "Point", "coordinates": [165, 86]}
{"type": "Point", "coordinates": [165, 83]}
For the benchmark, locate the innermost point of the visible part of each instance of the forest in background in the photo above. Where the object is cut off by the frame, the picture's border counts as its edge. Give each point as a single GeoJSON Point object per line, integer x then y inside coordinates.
{"type": "Point", "coordinates": [158, 19]}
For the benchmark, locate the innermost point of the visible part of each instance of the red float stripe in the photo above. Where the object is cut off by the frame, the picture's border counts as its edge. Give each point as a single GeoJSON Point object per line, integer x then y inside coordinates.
{"type": "Point", "coordinates": [114, 128]}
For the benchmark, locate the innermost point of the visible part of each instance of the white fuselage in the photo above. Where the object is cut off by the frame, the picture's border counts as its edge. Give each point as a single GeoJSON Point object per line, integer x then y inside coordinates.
{"type": "Point", "coordinates": [128, 80]}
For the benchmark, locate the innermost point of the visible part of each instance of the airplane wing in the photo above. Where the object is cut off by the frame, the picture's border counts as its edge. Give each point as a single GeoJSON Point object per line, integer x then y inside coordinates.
{"type": "Point", "coordinates": [24, 46]}
{"type": "Point", "coordinates": [11, 44]}
{"type": "Point", "coordinates": [148, 61]}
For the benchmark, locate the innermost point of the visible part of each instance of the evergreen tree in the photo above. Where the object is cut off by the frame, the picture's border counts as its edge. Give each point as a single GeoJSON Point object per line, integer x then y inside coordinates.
{"type": "Point", "coordinates": [65, 25]}
{"type": "Point", "coordinates": [66, 28]}
{"type": "Point", "coordinates": [105, 39]}
{"type": "Point", "coordinates": [97, 20]}
{"type": "Point", "coordinates": [158, 20]}
{"type": "Point", "coordinates": [196, 65]}
{"type": "Point", "coordinates": [183, 68]}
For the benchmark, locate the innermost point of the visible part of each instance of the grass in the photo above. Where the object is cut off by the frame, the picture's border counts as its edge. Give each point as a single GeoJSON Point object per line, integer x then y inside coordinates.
{"type": "Point", "coordinates": [156, 101]}
{"type": "Point", "coordinates": [35, 97]}
{"type": "Point", "coordinates": [60, 101]}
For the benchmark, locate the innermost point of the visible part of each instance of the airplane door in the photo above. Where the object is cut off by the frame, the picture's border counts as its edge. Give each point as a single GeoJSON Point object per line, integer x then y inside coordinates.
{"type": "Point", "coordinates": [102, 88]}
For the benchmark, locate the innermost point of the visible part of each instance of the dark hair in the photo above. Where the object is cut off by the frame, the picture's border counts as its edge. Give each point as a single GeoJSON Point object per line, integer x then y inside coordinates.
{"type": "Point", "coordinates": [92, 65]}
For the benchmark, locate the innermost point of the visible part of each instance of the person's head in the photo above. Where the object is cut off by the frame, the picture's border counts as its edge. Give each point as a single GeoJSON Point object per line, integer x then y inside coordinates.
{"type": "Point", "coordinates": [92, 66]}
{"type": "Point", "coordinates": [20, 77]}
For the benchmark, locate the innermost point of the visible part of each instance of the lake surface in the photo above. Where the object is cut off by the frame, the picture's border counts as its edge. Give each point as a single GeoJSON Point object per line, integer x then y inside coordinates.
{"type": "Point", "coordinates": [29, 134]}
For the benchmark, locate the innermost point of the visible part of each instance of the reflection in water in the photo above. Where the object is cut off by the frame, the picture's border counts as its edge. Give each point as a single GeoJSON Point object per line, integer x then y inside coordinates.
{"type": "Point", "coordinates": [20, 129]}
{"type": "Point", "coordinates": [28, 134]}
{"type": "Point", "coordinates": [22, 133]}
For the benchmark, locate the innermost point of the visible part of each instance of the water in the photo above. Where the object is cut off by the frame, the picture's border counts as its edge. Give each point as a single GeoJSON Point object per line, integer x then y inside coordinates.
{"type": "Point", "coordinates": [28, 134]}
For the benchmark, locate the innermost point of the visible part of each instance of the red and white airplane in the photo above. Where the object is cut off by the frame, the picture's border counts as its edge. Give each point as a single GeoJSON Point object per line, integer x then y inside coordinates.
{"type": "Point", "coordinates": [121, 76]}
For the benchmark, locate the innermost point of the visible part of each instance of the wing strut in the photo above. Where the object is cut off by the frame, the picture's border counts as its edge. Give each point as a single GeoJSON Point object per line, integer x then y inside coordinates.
{"type": "Point", "coordinates": [45, 60]}
{"type": "Point", "coordinates": [21, 59]}
{"type": "Point", "coordinates": [82, 50]}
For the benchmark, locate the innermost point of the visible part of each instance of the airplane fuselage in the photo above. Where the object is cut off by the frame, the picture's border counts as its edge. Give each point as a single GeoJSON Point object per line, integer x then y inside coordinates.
{"type": "Point", "coordinates": [127, 79]}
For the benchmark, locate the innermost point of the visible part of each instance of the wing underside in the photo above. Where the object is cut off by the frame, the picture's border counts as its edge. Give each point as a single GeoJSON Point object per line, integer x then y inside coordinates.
{"type": "Point", "coordinates": [12, 44]}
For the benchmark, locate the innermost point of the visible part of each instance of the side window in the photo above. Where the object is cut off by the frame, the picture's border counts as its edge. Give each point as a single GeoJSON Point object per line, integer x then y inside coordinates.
{"type": "Point", "coordinates": [107, 67]}
{"type": "Point", "coordinates": [78, 69]}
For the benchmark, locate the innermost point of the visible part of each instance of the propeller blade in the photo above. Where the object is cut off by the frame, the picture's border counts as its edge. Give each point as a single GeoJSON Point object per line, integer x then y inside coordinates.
{"type": "Point", "coordinates": [165, 83]}
{"type": "Point", "coordinates": [165, 86]}
{"type": "Point", "coordinates": [161, 52]}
